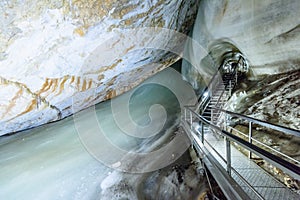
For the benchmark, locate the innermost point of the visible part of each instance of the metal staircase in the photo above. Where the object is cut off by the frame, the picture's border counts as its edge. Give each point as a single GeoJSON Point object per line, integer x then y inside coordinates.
{"type": "Point", "coordinates": [219, 97]}
{"type": "Point", "coordinates": [236, 174]}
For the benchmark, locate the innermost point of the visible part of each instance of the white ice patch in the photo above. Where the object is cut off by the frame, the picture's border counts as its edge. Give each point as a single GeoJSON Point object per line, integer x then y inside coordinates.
{"type": "Point", "coordinates": [111, 180]}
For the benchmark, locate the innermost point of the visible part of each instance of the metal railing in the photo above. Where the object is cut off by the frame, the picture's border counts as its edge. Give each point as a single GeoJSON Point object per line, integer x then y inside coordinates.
{"type": "Point", "coordinates": [276, 127]}
{"type": "Point", "coordinates": [191, 116]}
{"type": "Point", "coordinates": [207, 93]}
{"type": "Point", "coordinates": [252, 121]}
{"type": "Point", "coordinates": [210, 90]}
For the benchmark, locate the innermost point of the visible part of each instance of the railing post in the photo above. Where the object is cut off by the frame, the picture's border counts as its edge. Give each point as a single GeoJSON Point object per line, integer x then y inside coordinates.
{"type": "Point", "coordinates": [211, 115]}
{"type": "Point", "coordinates": [225, 122]}
{"type": "Point", "coordinates": [250, 138]}
{"type": "Point", "coordinates": [230, 88]}
{"type": "Point", "coordinates": [184, 114]}
{"type": "Point", "coordinates": [202, 133]}
{"type": "Point", "coordinates": [191, 119]}
{"type": "Point", "coordinates": [228, 156]}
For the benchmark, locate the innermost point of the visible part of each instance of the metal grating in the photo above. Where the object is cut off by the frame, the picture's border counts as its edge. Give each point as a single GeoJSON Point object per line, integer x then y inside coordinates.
{"type": "Point", "coordinates": [262, 182]}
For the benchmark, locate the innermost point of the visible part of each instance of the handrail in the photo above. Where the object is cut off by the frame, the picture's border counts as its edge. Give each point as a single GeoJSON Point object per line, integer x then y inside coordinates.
{"type": "Point", "coordinates": [263, 123]}
{"type": "Point", "coordinates": [212, 80]}
{"type": "Point", "coordinates": [270, 156]}
{"type": "Point", "coordinates": [263, 144]}
{"type": "Point", "coordinates": [220, 97]}
{"type": "Point", "coordinates": [289, 168]}
{"type": "Point", "coordinates": [215, 80]}
{"type": "Point", "coordinates": [217, 73]}
{"type": "Point", "coordinates": [229, 187]}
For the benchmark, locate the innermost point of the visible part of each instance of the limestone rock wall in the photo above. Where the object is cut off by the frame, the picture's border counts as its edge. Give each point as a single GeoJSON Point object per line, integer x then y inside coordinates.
{"type": "Point", "coordinates": [53, 51]}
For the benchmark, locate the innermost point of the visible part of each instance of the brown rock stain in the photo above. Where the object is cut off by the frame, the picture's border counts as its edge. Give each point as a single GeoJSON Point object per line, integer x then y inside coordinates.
{"type": "Point", "coordinates": [83, 85]}
{"type": "Point", "coordinates": [110, 94]}
{"type": "Point", "coordinates": [62, 84]}
{"type": "Point", "coordinates": [29, 108]}
{"type": "Point", "coordinates": [104, 68]}
{"type": "Point", "coordinates": [111, 81]}
{"type": "Point", "coordinates": [45, 87]}
{"type": "Point", "coordinates": [203, 196]}
{"type": "Point", "coordinates": [130, 48]}
{"type": "Point", "coordinates": [57, 85]}
{"type": "Point", "coordinates": [79, 31]}
{"type": "Point", "coordinates": [114, 44]}
{"type": "Point", "coordinates": [54, 85]}
{"type": "Point", "coordinates": [157, 22]}
{"type": "Point", "coordinates": [12, 102]}
{"type": "Point", "coordinates": [72, 79]}
{"type": "Point", "coordinates": [90, 84]}
{"type": "Point", "coordinates": [90, 12]}
{"type": "Point", "coordinates": [78, 82]}
{"type": "Point", "coordinates": [121, 11]}
{"type": "Point", "coordinates": [100, 77]}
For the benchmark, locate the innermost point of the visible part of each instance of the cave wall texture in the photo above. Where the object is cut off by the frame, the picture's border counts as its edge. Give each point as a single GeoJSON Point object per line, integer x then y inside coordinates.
{"type": "Point", "coordinates": [266, 32]}
{"type": "Point", "coordinates": [51, 51]}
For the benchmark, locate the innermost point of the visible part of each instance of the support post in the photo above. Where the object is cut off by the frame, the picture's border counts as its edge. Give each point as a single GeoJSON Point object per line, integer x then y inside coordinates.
{"type": "Point", "coordinates": [250, 138]}
{"type": "Point", "coordinates": [191, 119]}
{"type": "Point", "coordinates": [228, 156]}
{"type": "Point", "coordinates": [202, 133]}
{"type": "Point", "coordinates": [211, 115]}
{"type": "Point", "coordinates": [184, 114]}
{"type": "Point", "coordinates": [230, 88]}
{"type": "Point", "coordinates": [225, 122]}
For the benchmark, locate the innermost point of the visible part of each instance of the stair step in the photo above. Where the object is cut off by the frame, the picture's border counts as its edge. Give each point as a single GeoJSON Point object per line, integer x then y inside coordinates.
{"type": "Point", "coordinates": [208, 113]}
{"type": "Point", "coordinates": [217, 94]}
{"type": "Point", "coordinates": [219, 90]}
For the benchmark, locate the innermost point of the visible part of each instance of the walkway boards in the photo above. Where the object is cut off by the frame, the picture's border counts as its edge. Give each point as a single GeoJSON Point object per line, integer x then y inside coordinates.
{"type": "Point", "coordinates": [265, 184]}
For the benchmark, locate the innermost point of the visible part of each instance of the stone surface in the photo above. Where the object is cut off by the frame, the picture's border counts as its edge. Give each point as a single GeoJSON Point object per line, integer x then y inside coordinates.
{"type": "Point", "coordinates": [274, 99]}
{"type": "Point", "coordinates": [266, 32]}
{"type": "Point", "coordinates": [51, 51]}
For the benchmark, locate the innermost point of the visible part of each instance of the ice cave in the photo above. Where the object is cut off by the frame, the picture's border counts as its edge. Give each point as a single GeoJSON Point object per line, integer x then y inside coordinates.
{"type": "Point", "coordinates": [149, 99]}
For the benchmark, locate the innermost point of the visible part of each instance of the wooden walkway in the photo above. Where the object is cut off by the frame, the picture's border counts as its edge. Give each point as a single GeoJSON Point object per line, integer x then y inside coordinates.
{"type": "Point", "coordinates": [265, 184]}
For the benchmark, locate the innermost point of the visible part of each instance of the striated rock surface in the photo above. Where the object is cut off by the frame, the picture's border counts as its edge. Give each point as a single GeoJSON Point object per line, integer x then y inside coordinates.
{"type": "Point", "coordinates": [266, 32]}
{"type": "Point", "coordinates": [51, 51]}
{"type": "Point", "coordinates": [273, 98]}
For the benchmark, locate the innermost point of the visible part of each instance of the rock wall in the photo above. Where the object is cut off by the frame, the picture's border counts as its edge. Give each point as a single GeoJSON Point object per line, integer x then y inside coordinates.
{"type": "Point", "coordinates": [52, 51]}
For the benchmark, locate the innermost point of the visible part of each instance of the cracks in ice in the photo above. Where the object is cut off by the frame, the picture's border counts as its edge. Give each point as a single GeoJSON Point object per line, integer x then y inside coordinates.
{"type": "Point", "coordinates": [293, 32]}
